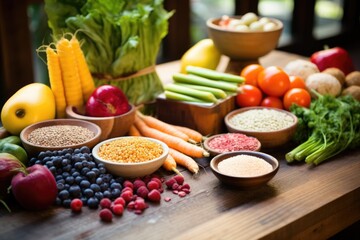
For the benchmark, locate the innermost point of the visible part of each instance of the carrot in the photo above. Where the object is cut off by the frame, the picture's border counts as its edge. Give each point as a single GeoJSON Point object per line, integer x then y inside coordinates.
{"type": "Point", "coordinates": [71, 80]}
{"type": "Point", "coordinates": [163, 126]}
{"type": "Point", "coordinates": [133, 131]}
{"type": "Point", "coordinates": [172, 141]}
{"type": "Point", "coordinates": [56, 82]}
{"type": "Point", "coordinates": [184, 160]}
{"type": "Point", "coordinates": [194, 135]}
{"type": "Point", "coordinates": [170, 164]}
{"type": "Point", "coordinates": [87, 82]}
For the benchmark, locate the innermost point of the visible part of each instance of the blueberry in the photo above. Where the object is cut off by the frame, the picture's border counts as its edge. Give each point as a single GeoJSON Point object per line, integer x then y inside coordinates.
{"type": "Point", "coordinates": [99, 181]}
{"type": "Point", "coordinates": [60, 186]}
{"type": "Point", "coordinates": [61, 180]}
{"type": "Point", "coordinates": [70, 180]}
{"type": "Point", "coordinates": [84, 184]}
{"type": "Point", "coordinates": [99, 195]}
{"type": "Point", "coordinates": [78, 179]}
{"type": "Point", "coordinates": [38, 162]}
{"type": "Point", "coordinates": [58, 177]}
{"type": "Point", "coordinates": [107, 194]}
{"type": "Point", "coordinates": [53, 170]}
{"type": "Point", "coordinates": [77, 151]}
{"type": "Point", "coordinates": [46, 159]}
{"type": "Point", "coordinates": [58, 201]}
{"type": "Point", "coordinates": [75, 174]}
{"type": "Point", "coordinates": [66, 203]}
{"type": "Point", "coordinates": [102, 170]}
{"type": "Point", "coordinates": [85, 149]}
{"type": "Point", "coordinates": [84, 200]}
{"type": "Point", "coordinates": [93, 202]}
{"type": "Point", "coordinates": [41, 155]}
{"type": "Point", "coordinates": [96, 171]}
{"type": "Point", "coordinates": [57, 161]}
{"type": "Point", "coordinates": [65, 162]}
{"type": "Point", "coordinates": [115, 193]}
{"type": "Point", "coordinates": [115, 185]}
{"type": "Point", "coordinates": [84, 170]}
{"type": "Point", "coordinates": [78, 165]}
{"type": "Point", "coordinates": [75, 191]}
{"type": "Point", "coordinates": [88, 193]}
{"type": "Point", "coordinates": [91, 164]}
{"type": "Point", "coordinates": [91, 174]}
{"type": "Point", "coordinates": [66, 168]}
{"type": "Point", "coordinates": [85, 164]}
{"type": "Point", "coordinates": [65, 174]}
{"type": "Point", "coordinates": [64, 194]}
{"type": "Point", "coordinates": [95, 187]}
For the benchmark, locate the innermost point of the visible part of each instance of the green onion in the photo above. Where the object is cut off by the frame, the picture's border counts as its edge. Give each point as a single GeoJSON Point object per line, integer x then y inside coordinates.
{"type": "Point", "coordinates": [192, 79]}
{"type": "Point", "coordinates": [213, 74]}
{"type": "Point", "coordinates": [181, 97]}
{"type": "Point", "coordinates": [218, 93]}
{"type": "Point", "coordinates": [206, 96]}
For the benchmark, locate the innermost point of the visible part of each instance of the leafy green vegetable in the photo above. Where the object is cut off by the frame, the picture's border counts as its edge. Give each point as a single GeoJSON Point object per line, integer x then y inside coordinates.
{"type": "Point", "coordinates": [119, 38]}
{"type": "Point", "coordinates": [327, 128]}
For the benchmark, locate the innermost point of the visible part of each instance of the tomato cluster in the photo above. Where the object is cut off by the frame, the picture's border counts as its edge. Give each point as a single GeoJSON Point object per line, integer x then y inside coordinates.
{"type": "Point", "coordinates": [271, 87]}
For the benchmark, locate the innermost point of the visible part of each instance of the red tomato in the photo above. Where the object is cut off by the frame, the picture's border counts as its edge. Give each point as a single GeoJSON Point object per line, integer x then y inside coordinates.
{"type": "Point", "coordinates": [297, 96]}
{"type": "Point", "coordinates": [274, 102]}
{"type": "Point", "coordinates": [249, 96]}
{"type": "Point", "coordinates": [297, 82]}
{"type": "Point", "coordinates": [273, 81]}
{"type": "Point", "coordinates": [250, 73]}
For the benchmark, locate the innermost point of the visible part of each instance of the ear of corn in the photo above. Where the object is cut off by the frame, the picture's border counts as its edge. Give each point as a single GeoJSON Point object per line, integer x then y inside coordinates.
{"type": "Point", "coordinates": [71, 79]}
{"type": "Point", "coordinates": [87, 82]}
{"type": "Point", "coordinates": [56, 83]}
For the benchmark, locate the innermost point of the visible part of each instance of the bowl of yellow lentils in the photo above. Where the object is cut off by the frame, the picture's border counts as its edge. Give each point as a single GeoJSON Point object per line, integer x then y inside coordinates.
{"type": "Point", "coordinates": [131, 156]}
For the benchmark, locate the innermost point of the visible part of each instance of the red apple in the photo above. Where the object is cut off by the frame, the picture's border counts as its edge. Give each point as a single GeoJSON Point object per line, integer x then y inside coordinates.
{"type": "Point", "coordinates": [333, 57]}
{"type": "Point", "coordinates": [35, 188]}
{"type": "Point", "coordinates": [9, 166]}
{"type": "Point", "coordinates": [105, 101]}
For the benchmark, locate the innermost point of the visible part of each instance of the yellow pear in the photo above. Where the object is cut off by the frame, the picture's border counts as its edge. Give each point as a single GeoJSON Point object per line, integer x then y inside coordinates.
{"type": "Point", "coordinates": [202, 54]}
{"type": "Point", "coordinates": [32, 103]}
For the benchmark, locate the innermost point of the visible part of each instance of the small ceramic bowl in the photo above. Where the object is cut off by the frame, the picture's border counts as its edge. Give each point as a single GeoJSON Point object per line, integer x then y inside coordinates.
{"type": "Point", "coordinates": [243, 45]}
{"type": "Point", "coordinates": [33, 149]}
{"type": "Point", "coordinates": [244, 182]}
{"type": "Point", "coordinates": [268, 139]}
{"type": "Point", "coordinates": [230, 142]}
{"type": "Point", "coordinates": [111, 127]}
{"type": "Point", "coordinates": [131, 170]}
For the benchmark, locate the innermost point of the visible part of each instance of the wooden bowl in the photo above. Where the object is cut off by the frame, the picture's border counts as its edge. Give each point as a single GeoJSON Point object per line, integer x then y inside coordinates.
{"type": "Point", "coordinates": [244, 182]}
{"type": "Point", "coordinates": [111, 127]}
{"type": "Point", "coordinates": [268, 139]}
{"type": "Point", "coordinates": [33, 149]}
{"type": "Point", "coordinates": [241, 45]}
{"type": "Point", "coordinates": [252, 144]}
{"type": "Point", "coordinates": [131, 170]}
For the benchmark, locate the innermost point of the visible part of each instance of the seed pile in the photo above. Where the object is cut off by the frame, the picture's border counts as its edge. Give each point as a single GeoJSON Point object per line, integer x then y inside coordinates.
{"type": "Point", "coordinates": [244, 166]}
{"type": "Point", "coordinates": [130, 150]}
{"type": "Point", "coordinates": [60, 135]}
{"type": "Point", "coordinates": [262, 120]}
{"type": "Point", "coordinates": [233, 142]}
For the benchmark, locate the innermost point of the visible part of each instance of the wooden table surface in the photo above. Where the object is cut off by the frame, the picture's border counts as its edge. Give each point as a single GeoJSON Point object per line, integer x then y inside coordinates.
{"type": "Point", "coordinates": [300, 202]}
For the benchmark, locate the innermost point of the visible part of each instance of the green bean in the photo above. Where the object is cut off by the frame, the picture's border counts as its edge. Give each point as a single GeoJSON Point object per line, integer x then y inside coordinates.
{"type": "Point", "coordinates": [213, 74]}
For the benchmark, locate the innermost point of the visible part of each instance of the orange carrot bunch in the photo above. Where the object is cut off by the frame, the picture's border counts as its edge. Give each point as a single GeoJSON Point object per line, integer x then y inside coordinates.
{"type": "Point", "coordinates": [179, 139]}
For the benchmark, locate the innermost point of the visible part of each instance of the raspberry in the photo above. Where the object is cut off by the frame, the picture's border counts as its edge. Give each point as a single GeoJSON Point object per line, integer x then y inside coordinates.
{"type": "Point", "coordinates": [167, 199]}
{"type": "Point", "coordinates": [186, 190]}
{"type": "Point", "coordinates": [185, 186]}
{"type": "Point", "coordinates": [154, 195]}
{"type": "Point", "coordinates": [118, 209]}
{"type": "Point", "coordinates": [182, 194]}
{"type": "Point", "coordinates": [131, 205]}
{"type": "Point", "coordinates": [170, 182]}
{"type": "Point", "coordinates": [175, 186]}
{"type": "Point", "coordinates": [127, 189]}
{"type": "Point", "coordinates": [140, 204]}
{"type": "Point", "coordinates": [179, 179]}
{"type": "Point", "coordinates": [138, 183]}
{"type": "Point", "coordinates": [119, 200]}
{"type": "Point", "coordinates": [153, 185]}
{"type": "Point", "coordinates": [156, 179]}
{"type": "Point", "coordinates": [105, 203]}
{"type": "Point", "coordinates": [105, 215]}
{"type": "Point", "coordinates": [127, 196]}
{"type": "Point", "coordinates": [142, 192]}
{"type": "Point", "coordinates": [129, 184]}
{"type": "Point", "coordinates": [76, 205]}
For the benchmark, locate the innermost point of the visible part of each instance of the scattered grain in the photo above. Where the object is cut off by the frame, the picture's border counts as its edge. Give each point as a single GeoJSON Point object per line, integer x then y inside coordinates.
{"type": "Point", "coordinates": [244, 166]}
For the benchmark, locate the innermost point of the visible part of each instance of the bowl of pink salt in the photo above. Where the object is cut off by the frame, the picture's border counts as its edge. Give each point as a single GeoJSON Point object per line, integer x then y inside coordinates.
{"type": "Point", "coordinates": [244, 169]}
{"type": "Point", "coordinates": [230, 142]}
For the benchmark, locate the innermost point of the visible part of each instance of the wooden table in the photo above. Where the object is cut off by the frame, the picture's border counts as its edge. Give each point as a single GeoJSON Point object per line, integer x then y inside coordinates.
{"type": "Point", "coordinates": [300, 202]}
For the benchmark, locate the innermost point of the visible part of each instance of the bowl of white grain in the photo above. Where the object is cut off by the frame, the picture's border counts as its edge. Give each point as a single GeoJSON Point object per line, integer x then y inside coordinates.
{"type": "Point", "coordinates": [244, 169]}
{"type": "Point", "coordinates": [271, 126]}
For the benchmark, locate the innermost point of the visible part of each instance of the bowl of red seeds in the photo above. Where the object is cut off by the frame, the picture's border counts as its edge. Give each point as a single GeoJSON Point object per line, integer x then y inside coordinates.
{"type": "Point", "coordinates": [230, 142]}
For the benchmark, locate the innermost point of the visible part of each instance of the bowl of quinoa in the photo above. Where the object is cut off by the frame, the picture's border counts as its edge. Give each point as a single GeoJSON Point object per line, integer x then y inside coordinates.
{"type": "Point", "coordinates": [58, 134]}
{"type": "Point", "coordinates": [271, 126]}
{"type": "Point", "coordinates": [131, 156]}
{"type": "Point", "coordinates": [231, 142]}
{"type": "Point", "coordinates": [244, 169]}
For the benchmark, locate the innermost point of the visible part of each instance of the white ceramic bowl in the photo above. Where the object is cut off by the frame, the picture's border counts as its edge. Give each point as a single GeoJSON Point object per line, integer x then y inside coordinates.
{"type": "Point", "coordinates": [131, 170]}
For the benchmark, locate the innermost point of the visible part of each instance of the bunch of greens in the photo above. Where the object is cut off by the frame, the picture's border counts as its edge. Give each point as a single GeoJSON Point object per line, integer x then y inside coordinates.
{"type": "Point", "coordinates": [327, 128]}
{"type": "Point", "coordinates": [119, 38]}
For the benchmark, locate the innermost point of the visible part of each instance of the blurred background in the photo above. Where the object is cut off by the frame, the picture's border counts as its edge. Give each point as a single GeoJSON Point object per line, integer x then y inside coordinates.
{"type": "Point", "coordinates": [308, 26]}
